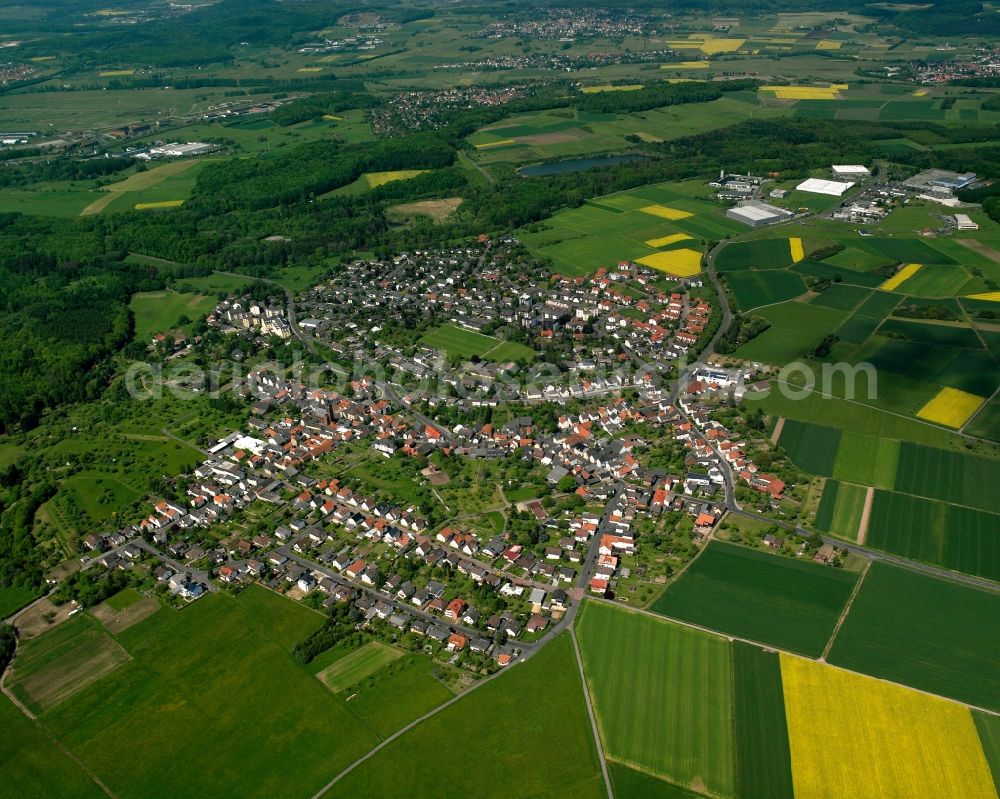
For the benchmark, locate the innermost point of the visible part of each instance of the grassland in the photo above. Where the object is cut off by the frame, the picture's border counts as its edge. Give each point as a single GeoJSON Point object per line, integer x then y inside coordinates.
{"type": "Point", "coordinates": [161, 311]}
{"type": "Point", "coordinates": [13, 598]}
{"type": "Point", "coordinates": [372, 180]}
{"type": "Point", "coordinates": [358, 665]}
{"type": "Point", "coordinates": [232, 657]}
{"type": "Point", "coordinates": [170, 183]}
{"type": "Point", "coordinates": [917, 630]}
{"type": "Point", "coordinates": [662, 695]}
{"type": "Point", "coordinates": [762, 755]}
{"type": "Point", "coordinates": [507, 729]}
{"type": "Point", "coordinates": [33, 766]}
{"type": "Point", "coordinates": [762, 597]}
{"type": "Point", "coordinates": [629, 782]}
{"type": "Point", "coordinates": [904, 732]}
{"type": "Point", "coordinates": [466, 343]}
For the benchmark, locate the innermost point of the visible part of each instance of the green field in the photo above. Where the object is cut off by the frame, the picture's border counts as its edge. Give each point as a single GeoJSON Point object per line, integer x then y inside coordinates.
{"type": "Point", "coordinates": [762, 754]}
{"type": "Point", "coordinates": [662, 694]}
{"type": "Point", "coordinates": [866, 459]}
{"type": "Point", "coordinates": [932, 634]}
{"type": "Point", "coordinates": [841, 296]}
{"type": "Point", "coordinates": [840, 508]}
{"type": "Point", "coordinates": [123, 599]}
{"type": "Point", "coordinates": [161, 311]}
{"type": "Point", "coordinates": [948, 475]}
{"type": "Point", "coordinates": [628, 782]}
{"type": "Point", "coordinates": [361, 663]}
{"type": "Point", "coordinates": [13, 598]}
{"type": "Point", "coordinates": [33, 766]}
{"type": "Point", "coordinates": [766, 598]}
{"type": "Point", "coordinates": [508, 729]}
{"type": "Point", "coordinates": [232, 657]}
{"type": "Point", "coordinates": [812, 447]}
{"type": "Point", "coordinates": [761, 254]}
{"type": "Point", "coordinates": [956, 537]}
{"type": "Point", "coordinates": [986, 423]}
{"type": "Point", "coordinates": [988, 727]}
{"type": "Point", "coordinates": [796, 329]}
{"type": "Point", "coordinates": [466, 343]}
{"type": "Point", "coordinates": [752, 289]}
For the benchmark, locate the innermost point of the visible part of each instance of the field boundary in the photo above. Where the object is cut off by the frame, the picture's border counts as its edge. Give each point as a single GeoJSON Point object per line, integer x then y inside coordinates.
{"type": "Point", "coordinates": [866, 513]}
{"type": "Point", "coordinates": [590, 714]}
{"type": "Point", "coordinates": [843, 615]}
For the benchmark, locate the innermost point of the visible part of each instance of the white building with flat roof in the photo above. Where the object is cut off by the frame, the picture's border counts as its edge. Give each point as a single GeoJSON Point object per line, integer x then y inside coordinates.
{"type": "Point", "coordinates": [964, 222]}
{"type": "Point", "coordinates": [850, 171]}
{"type": "Point", "coordinates": [757, 214]}
{"type": "Point", "coordinates": [832, 188]}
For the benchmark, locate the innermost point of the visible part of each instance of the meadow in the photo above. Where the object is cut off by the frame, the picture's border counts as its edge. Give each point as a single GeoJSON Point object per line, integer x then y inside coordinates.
{"type": "Point", "coordinates": [662, 695]}
{"type": "Point", "coordinates": [161, 311]}
{"type": "Point", "coordinates": [507, 729]}
{"type": "Point", "coordinates": [935, 635]}
{"type": "Point", "coordinates": [762, 597]}
{"type": "Point", "coordinates": [466, 343]}
{"type": "Point", "coordinates": [358, 665]}
{"type": "Point", "coordinates": [13, 598]}
{"type": "Point", "coordinates": [904, 732]}
{"type": "Point", "coordinates": [232, 655]}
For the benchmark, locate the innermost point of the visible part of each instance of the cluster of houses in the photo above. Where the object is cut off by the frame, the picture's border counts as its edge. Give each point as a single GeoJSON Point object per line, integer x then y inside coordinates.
{"type": "Point", "coordinates": [245, 315]}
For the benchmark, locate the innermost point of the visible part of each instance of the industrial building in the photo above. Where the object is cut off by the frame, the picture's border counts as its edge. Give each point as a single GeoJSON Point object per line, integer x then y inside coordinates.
{"type": "Point", "coordinates": [940, 182]}
{"type": "Point", "coordinates": [832, 188]}
{"type": "Point", "coordinates": [757, 214]}
{"type": "Point", "coordinates": [853, 172]}
{"type": "Point", "coordinates": [964, 222]}
{"type": "Point", "coordinates": [736, 187]}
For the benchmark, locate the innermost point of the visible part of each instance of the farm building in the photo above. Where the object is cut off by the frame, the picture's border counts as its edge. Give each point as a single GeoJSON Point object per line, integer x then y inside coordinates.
{"type": "Point", "coordinates": [757, 214]}
{"type": "Point", "coordinates": [833, 188]}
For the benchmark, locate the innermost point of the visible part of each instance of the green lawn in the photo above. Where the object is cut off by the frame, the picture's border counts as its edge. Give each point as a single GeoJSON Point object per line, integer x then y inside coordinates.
{"type": "Point", "coordinates": [767, 598]}
{"type": "Point", "coordinates": [935, 635]}
{"type": "Point", "coordinates": [662, 694]}
{"type": "Point", "coordinates": [124, 598]}
{"type": "Point", "coordinates": [529, 725]}
{"type": "Point", "coordinates": [13, 598]}
{"type": "Point", "coordinates": [219, 685]}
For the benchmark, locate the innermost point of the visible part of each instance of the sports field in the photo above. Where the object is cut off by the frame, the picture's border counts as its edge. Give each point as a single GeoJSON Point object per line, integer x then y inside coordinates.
{"type": "Point", "coordinates": [935, 635]}
{"type": "Point", "coordinates": [530, 724]}
{"type": "Point", "coordinates": [357, 665]}
{"type": "Point", "coordinates": [762, 755]}
{"type": "Point", "coordinates": [662, 694]}
{"type": "Point", "coordinates": [767, 598]}
{"type": "Point", "coordinates": [887, 741]}
{"type": "Point", "coordinates": [466, 343]}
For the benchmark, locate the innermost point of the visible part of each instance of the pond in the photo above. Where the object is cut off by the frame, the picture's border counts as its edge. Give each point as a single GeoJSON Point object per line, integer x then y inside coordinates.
{"type": "Point", "coordinates": [576, 165]}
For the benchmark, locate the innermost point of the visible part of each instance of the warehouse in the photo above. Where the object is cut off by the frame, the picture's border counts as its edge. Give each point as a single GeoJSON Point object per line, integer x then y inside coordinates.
{"type": "Point", "coordinates": [853, 172]}
{"type": "Point", "coordinates": [757, 214]}
{"type": "Point", "coordinates": [964, 222]}
{"type": "Point", "coordinates": [832, 188]}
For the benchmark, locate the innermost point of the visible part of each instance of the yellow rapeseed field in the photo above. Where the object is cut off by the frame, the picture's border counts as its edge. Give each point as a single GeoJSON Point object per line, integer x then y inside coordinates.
{"type": "Point", "coordinates": [686, 65]}
{"type": "Point", "coordinates": [666, 241]}
{"type": "Point", "coordinates": [683, 262]}
{"type": "Point", "coordinates": [376, 179]}
{"type": "Point", "coordinates": [900, 277]}
{"type": "Point", "coordinates": [161, 204]}
{"type": "Point", "coordinates": [855, 737]}
{"type": "Point", "coordinates": [712, 46]}
{"type": "Point", "coordinates": [500, 143]}
{"type": "Point", "coordinates": [309, 69]}
{"type": "Point", "coordinates": [798, 253]}
{"type": "Point", "coordinates": [828, 44]}
{"type": "Point", "coordinates": [951, 407]}
{"type": "Point", "coordinates": [116, 73]}
{"type": "Point", "coordinates": [992, 296]}
{"type": "Point", "coordinates": [665, 211]}
{"type": "Point", "coordinates": [831, 92]}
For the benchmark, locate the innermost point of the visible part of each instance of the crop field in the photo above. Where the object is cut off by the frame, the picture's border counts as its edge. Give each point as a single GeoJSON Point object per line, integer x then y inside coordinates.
{"type": "Point", "coordinates": [869, 460]}
{"type": "Point", "coordinates": [844, 297]}
{"type": "Point", "coordinates": [888, 740]}
{"type": "Point", "coordinates": [760, 254]}
{"type": "Point", "coordinates": [762, 597]}
{"type": "Point", "coordinates": [988, 727]}
{"type": "Point", "coordinates": [956, 537]}
{"type": "Point", "coordinates": [33, 766]}
{"type": "Point", "coordinates": [813, 448]}
{"type": "Point", "coordinates": [796, 329]}
{"type": "Point", "coordinates": [213, 726]}
{"type": "Point", "coordinates": [49, 670]}
{"type": "Point", "coordinates": [161, 311]}
{"type": "Point", "coordinates": [951, 407]}
{"type": "Point", "coordinates": [358, 665]}
{"type": "Point", "coordinates": [680, 262]}
{"type": "Point", "coordinates": [935, 635]}
{"type": "Point", "coordinates": [629, 782]}
{"type": "Point", "coordinates": [466, 343]}
{"type": "Point", "coordinates": [904, 274]}
{"type": "Point", "coordinates": [912, 252]}
{"type": "Point", "coordinates": [628, 226]}
{"type": "Point", "coordinates": [753, 289]}
{"type": "Point", "coordinates": [505, 728]}
{"type": "Point", "coordinates": [840, 508]}
{"type": "Point", "coordinates": [986, 424]}
{"type": "Point", "coordinates": [171, 182]}
{"type": "Point", "coordinates": [438, 210]}
{"type": "Point", "coordinates": [949, 475]}
{"type": "Point", "coordinates": [662, 695]}
{"type": "Point", "coordinates": [763, 759]}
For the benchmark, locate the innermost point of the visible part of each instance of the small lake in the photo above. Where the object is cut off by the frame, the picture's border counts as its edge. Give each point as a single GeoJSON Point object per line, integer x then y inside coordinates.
{"type": "Point", "coordinates": [576, 165]}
